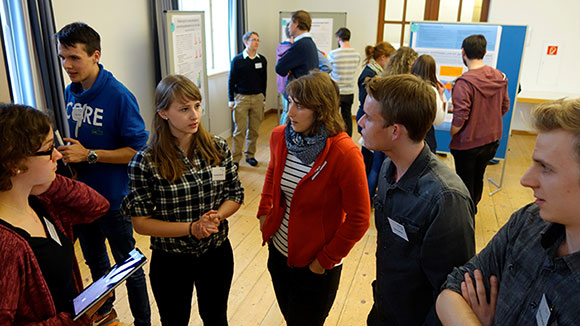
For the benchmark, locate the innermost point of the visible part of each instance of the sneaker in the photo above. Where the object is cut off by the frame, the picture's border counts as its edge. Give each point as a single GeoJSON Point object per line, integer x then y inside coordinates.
{"type": "Point", "coordinates": [108, 319]}
{"type": "Point", "coordinates": [493, 162]}
{"type": "Point", "coordinates": [252, 161]}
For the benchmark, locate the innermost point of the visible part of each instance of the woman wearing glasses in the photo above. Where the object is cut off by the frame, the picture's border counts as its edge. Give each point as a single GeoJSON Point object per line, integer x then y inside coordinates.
{"type": "Point", "coordinates": [315, 203]}
{"type": "Point", "coordinates": [39, 271]}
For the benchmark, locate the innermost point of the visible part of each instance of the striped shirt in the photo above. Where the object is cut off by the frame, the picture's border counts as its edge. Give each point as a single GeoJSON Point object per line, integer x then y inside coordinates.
{"type": "Point", "coordinates": [345, 62]}
{"type": "Point", "coordinates": [294, 171]}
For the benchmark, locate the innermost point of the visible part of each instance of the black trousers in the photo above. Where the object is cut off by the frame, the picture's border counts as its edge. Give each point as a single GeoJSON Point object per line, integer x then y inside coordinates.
{"type": "Point", "coordinates": [346, 111]}
{"type": "Point", "coordinates": [174, 275]}
{"type": "Point", "coordinates": [470, 166]}
{"type": "Point", "coordinates": [304, 298]}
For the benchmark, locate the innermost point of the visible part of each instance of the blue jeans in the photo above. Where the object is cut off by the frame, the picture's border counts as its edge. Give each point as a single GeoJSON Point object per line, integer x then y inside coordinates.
{"type": "Point", "coordinates": [119, 231]}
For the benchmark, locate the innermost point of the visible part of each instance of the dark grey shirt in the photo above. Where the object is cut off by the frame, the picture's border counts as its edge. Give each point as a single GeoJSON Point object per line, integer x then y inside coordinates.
{"type": "Point", "coordinates": [523, 257]}
{"type": "Point", "coordinates": [433, 205]}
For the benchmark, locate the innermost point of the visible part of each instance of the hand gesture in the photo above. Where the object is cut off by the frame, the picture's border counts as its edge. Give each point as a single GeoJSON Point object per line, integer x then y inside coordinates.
{"type": "Point", "coordinates": [73, 153]}
{"type": "Point", "coordinates": [207, 225]}
{"type": "Point", "coordinates": [477, 299]}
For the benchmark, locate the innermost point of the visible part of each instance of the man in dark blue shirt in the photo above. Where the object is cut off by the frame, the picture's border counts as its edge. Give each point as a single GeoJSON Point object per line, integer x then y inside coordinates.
{"type": "Point", "coordinates": [247, 97]}
{"type": "Point", "coordinates": [529, 273]}
{"type": "Point", "coordinates": [302, 56]}
{"type": "Point", "coordinates": [423, 212]}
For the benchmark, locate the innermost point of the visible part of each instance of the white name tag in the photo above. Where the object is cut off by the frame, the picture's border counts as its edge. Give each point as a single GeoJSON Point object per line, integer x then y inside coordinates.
{"type": "Point", "coordinates": [259, 65]}
{"type": "Point", "coordinates": [543, 314]}
{"type": "Point", "coordinates": [218, 173]}
{"type": "Point", "coordinates": [398, 229]}
{"type": "Point", "coordinates": [52, 231]}
{"type": "Point", "coordinates": [77, 113]}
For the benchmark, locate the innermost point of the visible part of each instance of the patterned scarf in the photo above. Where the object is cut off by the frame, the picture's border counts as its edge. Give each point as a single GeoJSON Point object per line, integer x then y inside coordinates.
{"type": "Point", "coordinates": [375, 66]}
{"type": "Point", "coordinates": [305, 148]}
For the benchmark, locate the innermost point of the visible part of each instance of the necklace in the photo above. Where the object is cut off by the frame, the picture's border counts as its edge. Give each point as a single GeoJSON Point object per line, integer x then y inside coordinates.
{"type": "Point", "coordinates": [33, 215]}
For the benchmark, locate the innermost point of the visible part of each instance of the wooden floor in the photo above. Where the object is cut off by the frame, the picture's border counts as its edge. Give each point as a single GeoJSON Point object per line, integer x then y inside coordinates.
{"type": "Point", "coordinates": [252, 300]}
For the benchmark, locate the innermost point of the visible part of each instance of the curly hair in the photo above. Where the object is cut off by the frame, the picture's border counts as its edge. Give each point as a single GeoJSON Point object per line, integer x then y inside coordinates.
{"type": "Point", "coordinates": [22, 131]}
{"type": "Point", "coordinates": [401, 61]}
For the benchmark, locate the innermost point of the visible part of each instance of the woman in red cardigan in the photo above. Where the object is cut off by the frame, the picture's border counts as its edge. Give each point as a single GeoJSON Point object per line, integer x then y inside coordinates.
{"type": "Point", "coordinates": [315, 201]}
{"type": "Point", "coordinates": [39, 274]}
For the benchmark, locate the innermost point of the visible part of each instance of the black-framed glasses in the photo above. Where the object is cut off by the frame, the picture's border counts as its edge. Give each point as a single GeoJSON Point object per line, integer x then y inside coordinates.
{"type": "Point", "coordinates": [49, 152]}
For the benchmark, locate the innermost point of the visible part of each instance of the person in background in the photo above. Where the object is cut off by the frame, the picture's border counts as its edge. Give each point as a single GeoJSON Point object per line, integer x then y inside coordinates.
{"type": "Point", "coordinates": [282, 81]}
{"type": "Point", "coordinates": [315, 204]}
{"type": "Point", "coordinates": [302, 56]}
{"type": "Point", "coordinates": [40, 275]}
{"type": "Point", "coordinates": [184, 185]}
{"type": "Point", "coordinates": [247, 95]}
{"type": "Point", "coordinates": [423, 213]}
{"type": "Point", "coordinates": [425, 68]}
{"type": "Point", "coordinates": [324, 64]}
{"type": "Point", "coordinates": [107, 130]}
{"type": "Point", "coordinates": [345, 61]}
{"type": "Point", "coordinates": [375, 62]}
{"type": "Point", "coordinates": [400, 62]}
{"type": "Point", "coordinates": [480, 99]}
{"type": "Point", "coordinates": [528, 272]}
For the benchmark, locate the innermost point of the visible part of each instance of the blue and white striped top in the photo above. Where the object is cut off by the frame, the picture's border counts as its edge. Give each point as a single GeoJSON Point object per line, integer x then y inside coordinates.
{"type": "Point", "coordinates": [345, 64]}
{"type": "Point", "coordinates": [294, 171]}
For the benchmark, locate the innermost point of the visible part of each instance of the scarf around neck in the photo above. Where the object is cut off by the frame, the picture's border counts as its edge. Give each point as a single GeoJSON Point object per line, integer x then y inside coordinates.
{"type": "Point", "coordinates": [305, 148]}
{"type": "Point", "coordinates": [375, 66]}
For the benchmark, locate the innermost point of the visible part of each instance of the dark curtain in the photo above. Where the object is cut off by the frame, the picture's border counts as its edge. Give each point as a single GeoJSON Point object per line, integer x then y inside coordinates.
{"type": "Point", "coordinates": [42, 29]}
{"type": "Point", "coordinates": [158, 7]}
{"type": "Point", "coordinates": [239, 19]}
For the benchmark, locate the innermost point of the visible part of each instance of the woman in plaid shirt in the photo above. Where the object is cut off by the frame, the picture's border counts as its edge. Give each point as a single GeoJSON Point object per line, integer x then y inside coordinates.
{"type": "Point", "coordinates": [183, 187]}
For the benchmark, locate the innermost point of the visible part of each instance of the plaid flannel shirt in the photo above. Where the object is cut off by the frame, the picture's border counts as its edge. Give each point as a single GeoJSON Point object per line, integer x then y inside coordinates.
{"type": "Point", "coordinates": [523, 257]}
{"type": "Point", "coordinates": [184, 200]}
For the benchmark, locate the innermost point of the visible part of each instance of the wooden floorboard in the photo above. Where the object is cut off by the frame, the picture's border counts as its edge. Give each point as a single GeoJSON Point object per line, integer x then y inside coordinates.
{"type": "Point", "coordinates": [252, 300]}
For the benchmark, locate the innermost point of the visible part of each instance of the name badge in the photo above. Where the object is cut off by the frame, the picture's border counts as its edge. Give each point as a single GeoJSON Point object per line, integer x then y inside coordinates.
{"type": "Point", "coordinates": [218, 173]}
{"type": "Point", "coordinates": [398, 229]}
{"type": "Point", "coordinates": [77, 113]}
{"type": "Point", "coordinates": [52, 231]}
{"type": "Point", "coordinates": [543, 314]}
{"type": "Point", "coordinates": [259, 65]}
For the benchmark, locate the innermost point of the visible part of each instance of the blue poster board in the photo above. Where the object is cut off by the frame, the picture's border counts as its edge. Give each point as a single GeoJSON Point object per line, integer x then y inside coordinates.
{"type": "Point", "coordinates": [509, 60]}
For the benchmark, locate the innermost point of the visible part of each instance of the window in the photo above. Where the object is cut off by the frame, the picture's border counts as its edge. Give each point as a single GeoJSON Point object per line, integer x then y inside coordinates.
{"type": "Point", "coordinates": [395, 15]}
{"type": "Point", "coordinates": [217, 42]}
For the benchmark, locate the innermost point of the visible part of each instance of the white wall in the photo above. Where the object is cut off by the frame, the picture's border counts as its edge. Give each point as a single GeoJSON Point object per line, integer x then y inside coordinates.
{"type": "Point", "coordinates": [126, 42]}
{"type": "Point", "coordinates": [555, 21]}
{"type": "Point", "coordinates": [263, 17]}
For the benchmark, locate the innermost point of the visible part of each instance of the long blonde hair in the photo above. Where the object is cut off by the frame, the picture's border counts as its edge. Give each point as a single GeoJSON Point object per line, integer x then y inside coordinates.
{"type": "Point", "coordinates": [165, 157]}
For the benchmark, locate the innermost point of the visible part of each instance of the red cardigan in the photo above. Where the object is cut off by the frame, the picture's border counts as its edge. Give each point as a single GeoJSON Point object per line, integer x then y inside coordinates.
{"type": "Point", "coordinates": [330, 208]}
{"type": "Point", "coordinates": [24, 296]}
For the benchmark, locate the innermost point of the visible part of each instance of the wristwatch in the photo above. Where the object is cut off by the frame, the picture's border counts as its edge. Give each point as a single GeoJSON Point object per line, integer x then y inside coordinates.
{"type": "Point", "coordinates": [92, 157]}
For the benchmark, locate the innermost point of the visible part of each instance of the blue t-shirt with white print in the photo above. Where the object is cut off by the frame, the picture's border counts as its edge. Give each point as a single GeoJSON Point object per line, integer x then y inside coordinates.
{"type": "Point", "coordinates": [110, 120]}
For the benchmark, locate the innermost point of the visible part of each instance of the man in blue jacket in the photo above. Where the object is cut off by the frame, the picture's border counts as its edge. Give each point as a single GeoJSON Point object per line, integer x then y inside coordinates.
{"type": "Point", "coordinates": [302, 56]}
{"type": "Point", "coordinates": [106, 131]}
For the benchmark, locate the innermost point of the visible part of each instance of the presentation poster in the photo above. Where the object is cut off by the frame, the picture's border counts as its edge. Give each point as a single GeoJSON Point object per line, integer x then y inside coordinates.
{"type": "Point", "coordinates": [186, 32]}
{"type": "Point", "coordinates": [443, 43]}
{"type": "Point", "coordinates": [321, 32]}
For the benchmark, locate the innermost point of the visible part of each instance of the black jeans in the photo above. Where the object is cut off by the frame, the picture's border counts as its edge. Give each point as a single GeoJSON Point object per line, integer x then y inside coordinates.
{"type": "Point", "coordinates": [346, 111]}
{"type": "Point", "coordinates": [470, 166]}
{"type": "Point", "coordinates": [172, 279]}
{"type": "Point", "coordinates": [304, 298]}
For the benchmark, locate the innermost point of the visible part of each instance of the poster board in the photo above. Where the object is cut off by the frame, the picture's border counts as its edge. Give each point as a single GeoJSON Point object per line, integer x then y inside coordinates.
{"type": "Point", "coordinates": [324, 25]}
{"type": "Point", "coordinates": [443, 41]}
{"type": "Point", "coordinates": [186, 52]}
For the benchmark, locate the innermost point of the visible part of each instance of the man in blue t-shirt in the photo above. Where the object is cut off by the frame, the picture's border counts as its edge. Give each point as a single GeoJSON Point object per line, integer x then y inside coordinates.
{"type": "Point", "coordinates": [106, 131]}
